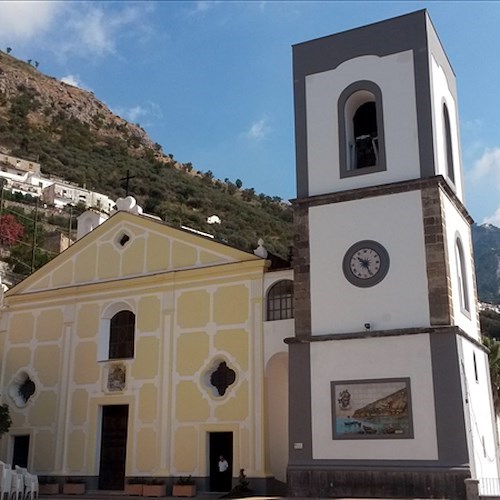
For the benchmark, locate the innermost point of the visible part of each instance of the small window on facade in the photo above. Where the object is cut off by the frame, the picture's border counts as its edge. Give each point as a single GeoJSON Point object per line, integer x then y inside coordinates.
{"type": "Point", "coordinates": [475, 366]}
{"type": "Point", "coordinates": [448, 144]}
{"type": "Point", "coordinates": [280, 301]}
{"type": "Point", "coordinates": [222, 378]}
{"type": "Point", "coordinates": [462, 277]}
{"type": "Point", "coordinates": [122, 335]}
{"type": "Point", "coordinates": [124, 240]}
{"type": "Point", "coordinates": [21, 389]}
{"type": "Point", "coordinates": [361, 138]}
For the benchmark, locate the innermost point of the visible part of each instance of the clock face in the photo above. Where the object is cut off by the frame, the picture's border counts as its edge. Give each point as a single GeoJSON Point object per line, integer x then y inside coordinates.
{"type": "Point", "coordinates": [366, 263]}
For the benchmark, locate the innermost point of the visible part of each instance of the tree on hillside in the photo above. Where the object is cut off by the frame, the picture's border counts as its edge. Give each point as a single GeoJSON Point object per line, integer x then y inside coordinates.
{"type": "Point", "coordinates": [11, 231]}
{"type": "Point", "coordinates": [490, 323]}
{"type": "Point", "coordinates": [9, 50]}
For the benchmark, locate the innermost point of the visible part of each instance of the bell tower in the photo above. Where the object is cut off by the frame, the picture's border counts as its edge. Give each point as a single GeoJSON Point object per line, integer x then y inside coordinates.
{"type": "Point", "coordinates": [389, 381]}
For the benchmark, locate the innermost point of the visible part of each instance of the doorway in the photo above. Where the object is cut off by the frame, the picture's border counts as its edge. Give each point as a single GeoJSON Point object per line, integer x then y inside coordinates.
{"type": "Point", "coordinates": [220, 444]}
{"type": "Point", "coordinates": [113, 447]}
{"type": "Point", "coordinates": [21, 450]}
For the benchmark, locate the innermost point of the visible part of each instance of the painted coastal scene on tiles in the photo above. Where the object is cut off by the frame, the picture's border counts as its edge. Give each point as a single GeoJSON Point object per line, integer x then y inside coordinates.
{"type": "Point", "coordinates": [371, 409]}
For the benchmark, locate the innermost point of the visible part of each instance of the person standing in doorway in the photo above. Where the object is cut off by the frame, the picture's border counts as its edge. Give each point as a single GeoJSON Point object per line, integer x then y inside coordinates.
{"type": "Point", "coordinates": [224, 477]}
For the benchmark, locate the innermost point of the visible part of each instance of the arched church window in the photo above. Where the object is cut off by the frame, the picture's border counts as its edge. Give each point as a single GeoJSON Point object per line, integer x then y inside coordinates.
{"type": "Point", "coordinates": [364, 143]}
{"type": "Point", "coordinates": [280, 301]}
{"type": "Point", "coordinates": [361, 134]}
{"type": "Point", "coordinates": [463, 287]}
{"type": "Point", "coordinates": [448, 144]}
{"type": "Point", "coordinates": [122, 335]}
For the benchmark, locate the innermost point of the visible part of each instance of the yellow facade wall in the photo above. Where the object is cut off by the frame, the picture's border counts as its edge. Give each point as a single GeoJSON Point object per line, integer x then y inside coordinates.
{"type": "Point", "coordinates": [76, 451]}
{"type": "Point", "coordinates": [148, 403]}
{"type": "Point", "coordinates": [235, 408]}
{"type": "Point", "coordinates": [185, 449]}
{"type": "Point", "coordinates": [85, 368]}
{"type": "Point", "coordinates": [145, 365]}
{"type": "Point", "coordinates": [47, 363]}
{"type": "Point", "coordinates": [19, 358]}
{"type": "Point", "coordinates": [43, 411]}
{"type": "Point", "coordinates": [44, 458]}
{"type": "Point", "coordinates": [183, 255]}
{"type": "Point", "coordinates": [209, 258]}
{"type": "Point", "coordinates": [63, 275]}
{"type": "Point", "coordinates": [192, 352]}
{"type": "Point", "coordinates": [85, 265]}
{"type": "Point", "coordinates": [79, 406]}
{"type": "Point", "coordinates": [190, 404]}
{"type": "Point", "coordinates": [87, 323]}
{"type": "Point", "coordinates": [235, 342]}
{"type": "Point", "coordinates": [193, 309]}
{"type": "Point", "coordinates": [43, 284]}
{"type": "Point", "coordinates": [146, 450]}
{"type": "Point", "coordinates": [21, 328]}
{"type": "Point", "coordinates": [231, 305]}
{"type": "Point", "coordinates": [149, 314]}
{"type": "Point", "coordinates": [210, 318]}
{"type": "Point", "coordinates": [18, 418]}
{"type": "Point", "coordinates": [157, 253]}
{"type": "Point", "coordinates": [108, 261]}
{"type": "Point", "coordinates": [133, 257]}
{"type": "Point", "coordinates": [49, 325]}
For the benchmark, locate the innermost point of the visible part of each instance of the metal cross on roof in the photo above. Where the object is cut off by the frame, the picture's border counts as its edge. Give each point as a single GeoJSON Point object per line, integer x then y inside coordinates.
{"type": "Point", "coordinates": [127, 181]}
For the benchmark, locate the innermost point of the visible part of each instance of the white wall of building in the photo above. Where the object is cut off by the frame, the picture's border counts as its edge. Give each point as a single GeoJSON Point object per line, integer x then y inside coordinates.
{"type": "Point", "coordinates": [401, 299]}
{"type": "Point", "coordinates": [394, 74]}
{"type": "Point", "coordinates": [20, 163]}
{"type": "Point", "coordinates": [481, 432]}
{"type": "Point", "coordinates": [441, 93]}
{"type": "Point", "coordinates": [457, 225]}
{"type": "Point", "coordinates": [276, 380]}
{"type": "Point", "coordinates": [375, 358]}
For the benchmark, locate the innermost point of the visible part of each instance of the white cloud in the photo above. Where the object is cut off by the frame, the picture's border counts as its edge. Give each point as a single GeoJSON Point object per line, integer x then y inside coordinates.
{"type": "Point", "coordinates": [134, 113]}
{"type": "Point", "coordinates": [493, 219]}
{"type": "Point", "coordinates": [487, 166]}
{"type": "Point", "coordinates": [68, 29]}
{"type": "Point", "coordinates": [75, 81]}
{"type": "Point", "coordinates": [484, 178]}
{"type": "Point", "coordinates": [203, 6]}
{"type": "Point", "coordinates": [258, 130]}
{"type": "Point", "coordinates": [23, 21]}
{"type": "Point", "coordinates": [474, 125]}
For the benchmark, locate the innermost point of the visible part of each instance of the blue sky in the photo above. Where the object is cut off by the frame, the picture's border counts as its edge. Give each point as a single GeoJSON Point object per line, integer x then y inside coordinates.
{"type": "Point", "coordinates": [211, 80]}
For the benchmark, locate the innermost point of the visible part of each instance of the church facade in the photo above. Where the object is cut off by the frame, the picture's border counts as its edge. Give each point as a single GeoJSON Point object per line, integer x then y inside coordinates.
{"type": "Point", "coordinates": [389, 382]}
{"type": "Point", "coordinates": [145, 351]}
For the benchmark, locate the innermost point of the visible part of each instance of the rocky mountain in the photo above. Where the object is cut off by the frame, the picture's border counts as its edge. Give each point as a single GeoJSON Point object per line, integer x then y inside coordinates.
{"type": "Point", "coordinates": [76, 137]}
{"type": "Point", "coordinates": [52, 99]}
{"type": "Point", "coordinates": [486, 241]}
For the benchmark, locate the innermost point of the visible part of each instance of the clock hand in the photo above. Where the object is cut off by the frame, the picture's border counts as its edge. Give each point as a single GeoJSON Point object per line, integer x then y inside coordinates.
{"type": "Point", "coordinates": [366, 264]}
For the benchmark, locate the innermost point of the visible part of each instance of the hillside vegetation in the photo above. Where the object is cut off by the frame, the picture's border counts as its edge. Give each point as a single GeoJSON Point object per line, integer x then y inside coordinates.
{"type": "Point", "coordinates": [76, 137]}
{"type": "Point", "coordinates": [486, 240]}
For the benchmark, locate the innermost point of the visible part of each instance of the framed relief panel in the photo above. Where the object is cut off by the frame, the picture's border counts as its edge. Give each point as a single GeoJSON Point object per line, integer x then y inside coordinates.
{"type": "Point", "coordinates": [372, 409]}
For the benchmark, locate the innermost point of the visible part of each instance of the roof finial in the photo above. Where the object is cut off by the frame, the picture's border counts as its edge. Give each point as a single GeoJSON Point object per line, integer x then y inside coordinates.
{"type": "Point", "coordinates": [261, 251]}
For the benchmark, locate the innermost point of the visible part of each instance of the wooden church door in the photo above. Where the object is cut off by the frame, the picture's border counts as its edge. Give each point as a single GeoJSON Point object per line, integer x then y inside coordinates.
{"type": "Point", "coordinates": [21, 450]}
{"type": "Point", "coordinates": [113, 447]}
